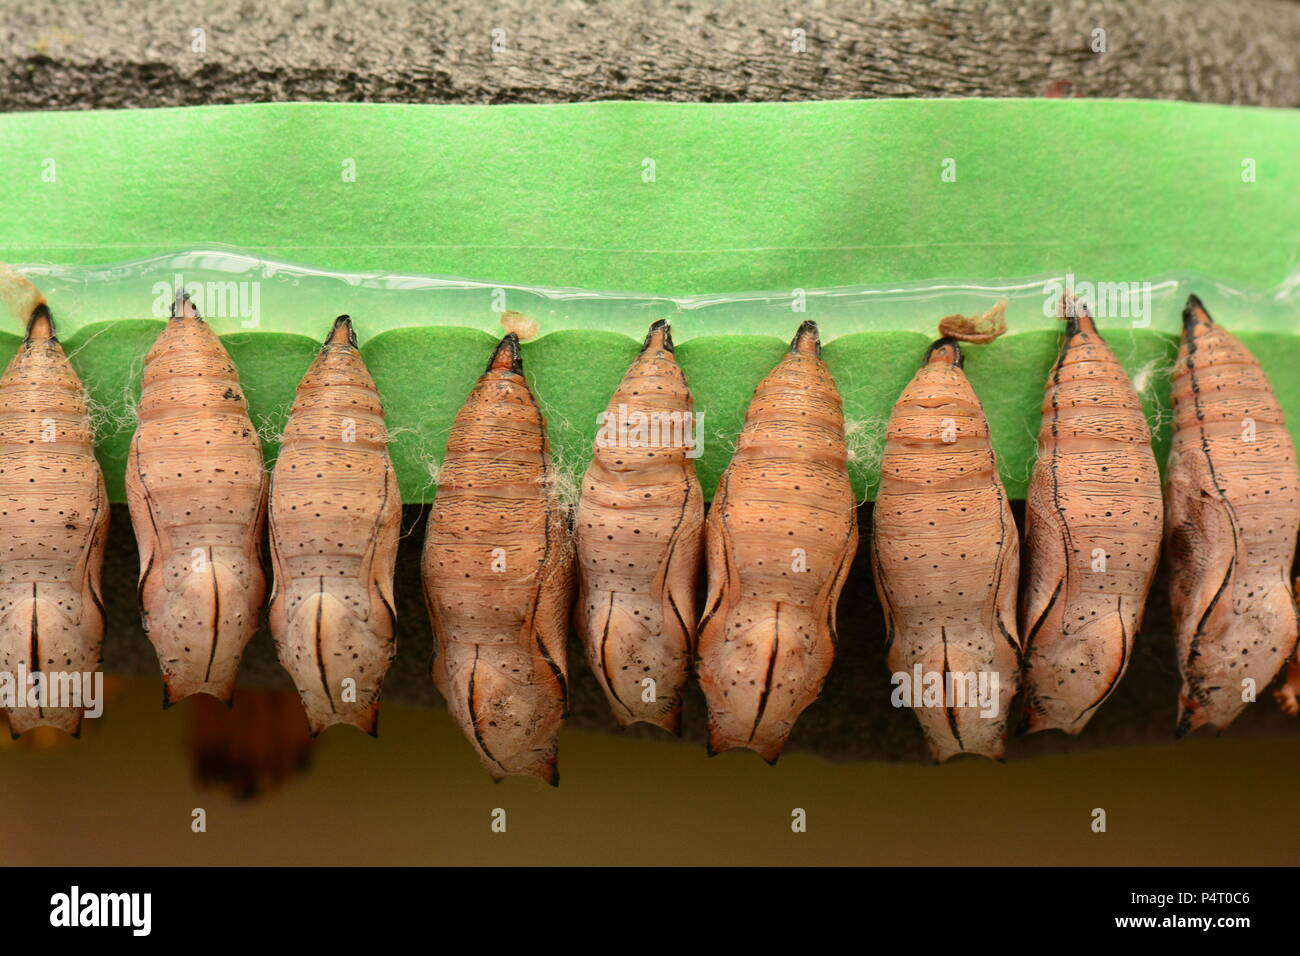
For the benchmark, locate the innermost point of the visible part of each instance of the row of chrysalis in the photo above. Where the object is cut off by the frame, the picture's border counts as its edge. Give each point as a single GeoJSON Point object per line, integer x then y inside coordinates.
{"type": "Point", "coordinates": [502, 558]}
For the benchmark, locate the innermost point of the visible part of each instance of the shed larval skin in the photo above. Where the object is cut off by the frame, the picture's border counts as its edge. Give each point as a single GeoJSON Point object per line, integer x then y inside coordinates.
{"type": "Point", "coordinates": [498, 577]}
{"type": "Point", "coordinates": [639, 532]}
{"type": "Point", "coordinates": [779, 538]}
{"type": "Point", "coordinates": [1093, 519]}
{"type": "Point", "coordinates": [196, 489]}
{"type": "Point", "coordinates": [335, 516]}
{"type": "Point", "coordinates": [946, 557]}
{"type": "Point", "coordinates": [54, 521]}
{"type": "Point", "coordinates": [1232, 512]}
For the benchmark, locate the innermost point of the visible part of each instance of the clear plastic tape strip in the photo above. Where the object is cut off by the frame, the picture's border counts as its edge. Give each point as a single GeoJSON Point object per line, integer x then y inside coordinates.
{"type": "Point", "coordinates": [236, 291]}
{"type": "Point", "coordinates": [874, 338]}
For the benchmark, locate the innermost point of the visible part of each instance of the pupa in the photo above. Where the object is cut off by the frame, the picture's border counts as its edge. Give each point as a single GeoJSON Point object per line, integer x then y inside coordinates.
{"type": "Point", "coordinates": [196, 490]}
{"type": "Point", "coordinates": [1232, 512]}
{"type": "Point", "coordinates": [498, 576]}
{"type": "Point", "coordinates": [780, 537]}
{"type": "Point", "coordinates": [945, 555]}
{"type": "Point", "coordinates": [639, 534]}
{"type": "Point", "coordinates": [1093, 516]}
{"type": "Point", "coordinates": [335, 516]}
{"type": "Point", "coordinates": [54, 520]}
{"type": "Point", "coordinates": [1287, 693]}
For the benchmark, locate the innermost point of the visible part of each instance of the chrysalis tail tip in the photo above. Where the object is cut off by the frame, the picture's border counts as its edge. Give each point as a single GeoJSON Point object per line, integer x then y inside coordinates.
{"type": "Point", "coordinates": [1075, 313]}
{"type": "Point", "coordinates": [808, 340]}
{"type": "Point", "coordinates": [342, 332]}
{"type": "Point", "coordinates": [944, 350]}
{"type": "Point", "coordinates": [183, 307]}
{"type": "Point", "coordinates": [659, 336]}
{"type": "Point", "coordinates": [507, 357]}
{"type": "Point", "coordinates": [40, 327]}
{"type": "Point", "coordinates": [1195, 314]}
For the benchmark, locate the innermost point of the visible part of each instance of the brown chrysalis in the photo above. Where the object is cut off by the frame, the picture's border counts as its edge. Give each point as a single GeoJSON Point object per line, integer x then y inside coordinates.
{"type": "Point", "coordinates": [639, 532]}
{"type": "Point", "coordinates": [335, 516]}
{"type": "Point", "coordinates": [1232, 512]}
{"type": "Point", "coordinates": [54, 520]}
{"type": "Point", "coordinates": [780, 538]}
{"type": "Point", "coordinates": [1093, 518]}
{"type": "Point", "coordinates": [945, 554]}
{"type": "Point", "coordinates": [196, 490]}
{"type": "Point", "coordinates": [498, 576]}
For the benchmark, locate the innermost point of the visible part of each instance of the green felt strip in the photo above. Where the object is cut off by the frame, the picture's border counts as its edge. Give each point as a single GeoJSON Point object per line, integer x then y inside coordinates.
{"type": "Point", "coordinates": [425, 373]}
{"type": "Point", "coordinates": [920, 208]}
{"type": "Point", "coordinates": [744, 196]}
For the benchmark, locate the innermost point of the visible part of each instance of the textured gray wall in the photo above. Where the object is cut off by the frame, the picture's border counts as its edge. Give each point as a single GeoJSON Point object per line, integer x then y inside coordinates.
{"type": "Point", "coordinates": [77, 54]}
